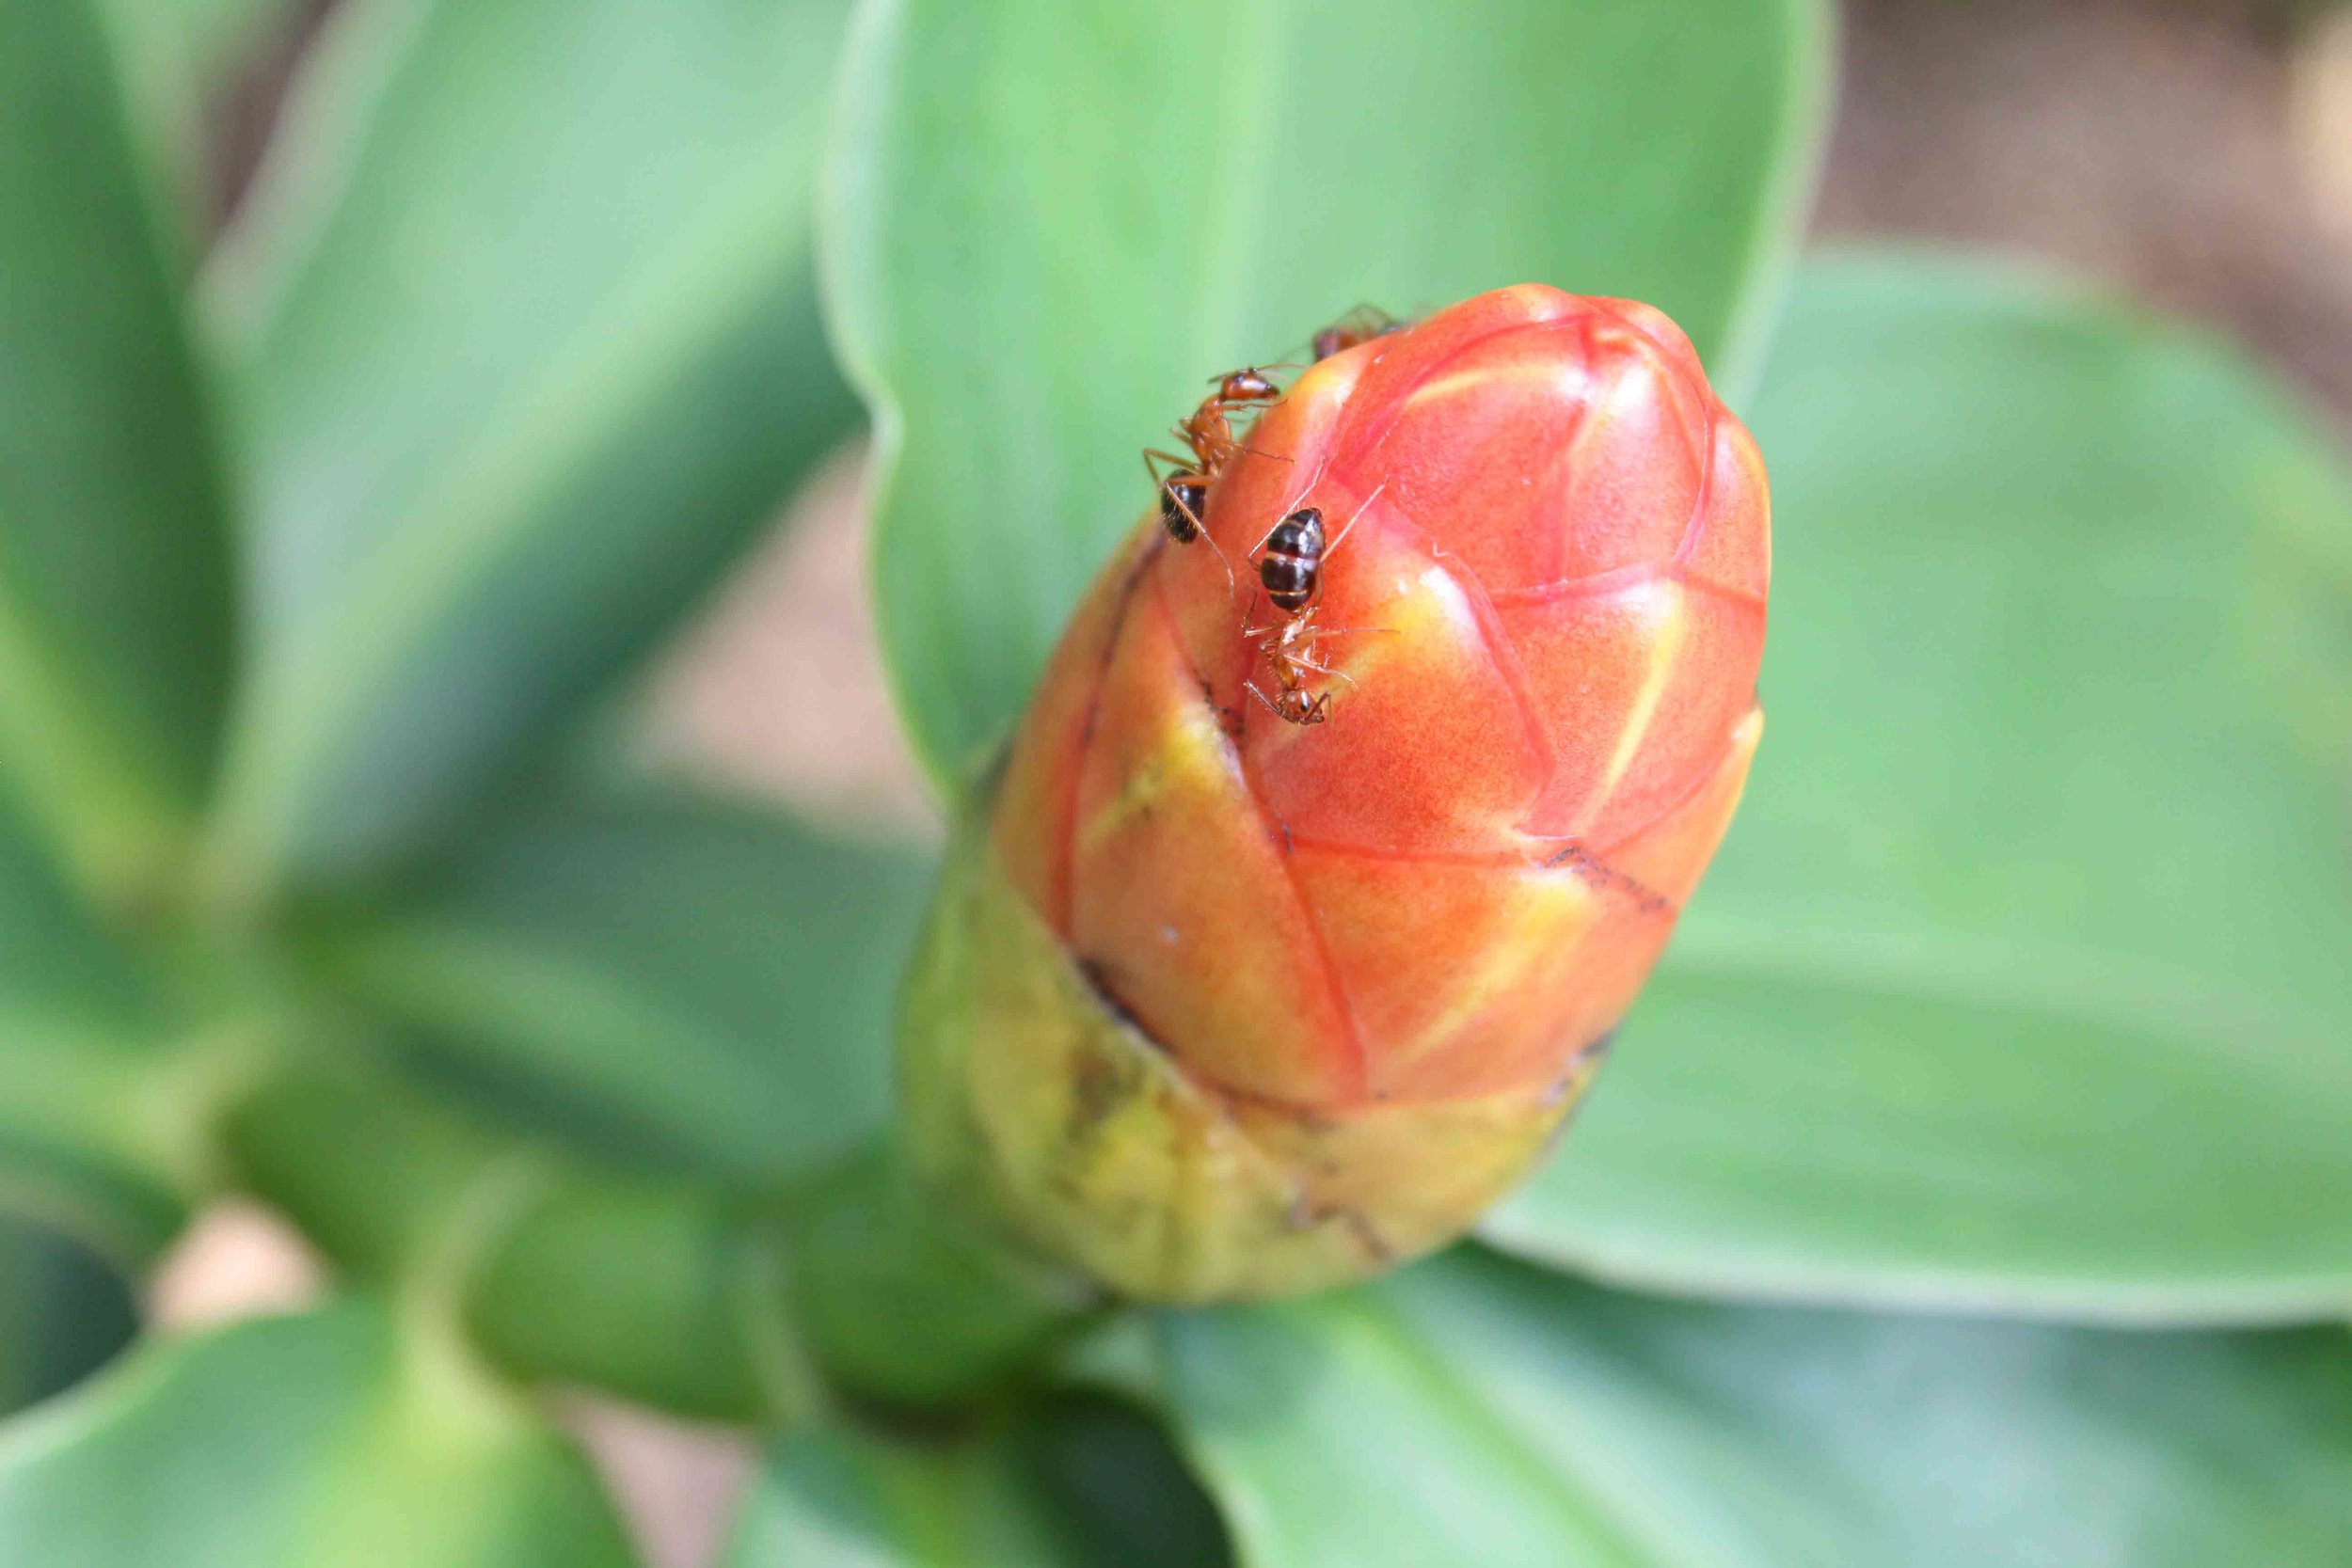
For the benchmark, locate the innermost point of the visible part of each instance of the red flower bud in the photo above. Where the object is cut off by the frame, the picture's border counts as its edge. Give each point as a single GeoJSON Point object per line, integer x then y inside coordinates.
{"type": "Point", "coordinates": [1220, 1004]}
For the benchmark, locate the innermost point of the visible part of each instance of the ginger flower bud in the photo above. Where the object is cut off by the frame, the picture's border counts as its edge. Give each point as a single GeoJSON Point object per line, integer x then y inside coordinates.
{"type": "Point", "coordinates": [1218, 1003]}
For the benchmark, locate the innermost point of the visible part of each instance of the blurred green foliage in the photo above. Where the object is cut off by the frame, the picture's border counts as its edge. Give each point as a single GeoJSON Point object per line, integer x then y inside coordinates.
{"type": "Point", "coordinates": [63, 1312]}
{"type": "Point", "coordinates": [325, 542]}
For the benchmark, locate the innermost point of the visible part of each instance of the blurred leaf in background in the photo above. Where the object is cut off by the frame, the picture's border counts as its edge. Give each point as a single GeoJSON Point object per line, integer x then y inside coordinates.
{"type": "Point", "coordinates": [176, 59]}
{"type": "Point", "coordinates": [672, 981]}
{"type": "Point", "coordinates": [292, 1443]}
{"type": "Point", "coordinates": [1475, 1410]}
{"type": "Point", "coordinates": [1074, 1484]}
{"type": "Point", "coordinates": [89, 1117]}
{"type": "Point", "coordinates": [522, 328]}
{"type": "Point", "coordinates": [64, 1312]}
{"type": "Point", "coordinates": [115, 641]}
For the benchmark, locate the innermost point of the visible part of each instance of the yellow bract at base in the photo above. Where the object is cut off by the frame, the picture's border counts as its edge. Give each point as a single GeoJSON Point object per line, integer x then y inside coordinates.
{"type": "Point", "coordinates": [1033, 1100]}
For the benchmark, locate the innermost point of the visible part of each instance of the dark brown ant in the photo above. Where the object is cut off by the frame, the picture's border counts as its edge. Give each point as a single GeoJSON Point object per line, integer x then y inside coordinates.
{"type": "Point", "coordinates": [1289, 569]}
{"type": "Point", "coordinates": [1358, 327]}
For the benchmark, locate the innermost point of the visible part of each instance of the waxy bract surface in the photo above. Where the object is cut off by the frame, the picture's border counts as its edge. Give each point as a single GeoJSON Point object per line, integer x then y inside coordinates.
{"type": "Point", "coordinates": [1544, 604]}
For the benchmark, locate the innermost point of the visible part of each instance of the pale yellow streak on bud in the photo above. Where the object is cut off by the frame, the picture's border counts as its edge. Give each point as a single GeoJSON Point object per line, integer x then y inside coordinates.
{"type": "Point", "coordinates": [1670, 623]}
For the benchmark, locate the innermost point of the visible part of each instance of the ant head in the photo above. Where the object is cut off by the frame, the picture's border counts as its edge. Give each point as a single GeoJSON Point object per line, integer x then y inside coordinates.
{"type": "Point", "coordinates": [1247, 385]}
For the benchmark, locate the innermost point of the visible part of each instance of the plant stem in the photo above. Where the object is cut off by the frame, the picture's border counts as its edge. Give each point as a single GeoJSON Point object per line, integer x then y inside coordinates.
{"type": "Point", "coordinates": [714, 1303]}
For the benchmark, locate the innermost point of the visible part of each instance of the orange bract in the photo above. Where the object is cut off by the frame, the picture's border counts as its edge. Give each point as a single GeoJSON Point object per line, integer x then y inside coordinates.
{"type": "Point", "coordinates": [1566, 566]}
{"type": "Point", "coordinates": [1366, 946]}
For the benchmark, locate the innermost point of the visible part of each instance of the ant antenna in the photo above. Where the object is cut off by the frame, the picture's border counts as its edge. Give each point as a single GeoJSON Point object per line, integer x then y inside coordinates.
{"type": "Point", "coordinates": [1313, 480]}
{"type": "Point", "coordinates": [1332, 548]}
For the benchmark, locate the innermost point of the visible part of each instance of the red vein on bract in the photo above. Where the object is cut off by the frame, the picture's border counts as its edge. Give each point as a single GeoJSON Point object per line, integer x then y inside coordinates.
{"type": "Point", "coordinates": [1065, 872]}
{"type": "Point", "coordinates": [1354, 1070]}
{"type": "Point", "coordinates": [1692, 530]}
{"type": "Point", "coordinates": [1567, 854]}
{"type": "Point", "coordinates": [1398, 855]}
{"type": "Point", "coordinates": [1500, 652]}
{"type": "Point", "coordinates": [1706, 776]}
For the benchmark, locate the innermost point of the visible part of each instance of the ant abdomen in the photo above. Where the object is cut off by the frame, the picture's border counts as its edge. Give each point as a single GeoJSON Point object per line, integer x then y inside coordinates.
{"type": "Point", "coordinates": [1183, 503]}
{"type": "Point", "coordinates": [1291, 567]}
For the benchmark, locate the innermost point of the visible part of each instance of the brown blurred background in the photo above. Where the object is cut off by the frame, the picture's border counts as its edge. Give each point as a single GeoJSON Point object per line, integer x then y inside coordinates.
{"type": "Point", "coordinates": [2197, 151]}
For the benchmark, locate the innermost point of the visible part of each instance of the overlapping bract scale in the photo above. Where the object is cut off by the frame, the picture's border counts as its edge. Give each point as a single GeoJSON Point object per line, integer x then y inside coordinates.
{"type": "Point", "coordinates": [1543, 609]}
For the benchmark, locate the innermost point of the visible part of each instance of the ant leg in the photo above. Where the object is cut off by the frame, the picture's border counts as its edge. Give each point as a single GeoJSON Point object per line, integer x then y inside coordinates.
{"type": "Point", "coordinates": [1332, 548]}
{"type": "Point", "coordinates": [1153, 456]}
{"type": "Point", "coordinates": [1354, 631]}
{"type": "Point", "coordinates": [1250, 630]}
{"type": "Point", "coordinates": [1303, 662]}
{"type": "Point", "coordinates": [1222, 558]}
{"type": "Point", "coordinates": [1315, 479]}
{"type": "Point", "coordinates": [1251, 686]}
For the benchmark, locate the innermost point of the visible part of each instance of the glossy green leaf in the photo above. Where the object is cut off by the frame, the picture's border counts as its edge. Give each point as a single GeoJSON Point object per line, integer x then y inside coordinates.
{"type": "Point", "coordinates": [1087, 1483]}
{"type": "Point", "coordinates": [64, 1312]}
{"type": "Point", "coordinates": [88, 1137]}
{"type": "Point", "coordinates": [1474, 1410]}
{"type": "Point", "coordinates": [1042, 231]}
{"type": "Point", "coordinates": [2022, 978]}
{"type": "Point", "coordinates": [297, 1442]}
{"type": "Point", "coordinates": [115, 603]}
{"type": "Point", "coordinates": [700, 986]}
{"type": "Point", "coordinates": [524, 330]}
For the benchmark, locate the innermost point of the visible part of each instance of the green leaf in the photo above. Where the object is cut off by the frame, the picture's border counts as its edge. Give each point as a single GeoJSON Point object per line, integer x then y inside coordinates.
{"type": "Point", "coordinates": [299, 1442]}
{"type": "Point", "coordinates": [697, 986]}
{"type": "Point", "coordinates": [2021, 980]}
{"type": "Point", "coordinates": [176, 56]}
{"type": "Point", "coordinates": [1085, 1483]}
{"type": "Point", "coordinates": [64, 1312]}
{"type": "Point", "coordinates": [1474, 1410]}
{"type": "Point", "coordinates": [89, 1119]}
{"type": "Point", "coordinates": [114, 606]}
{"type": "Point", "coordinates": [1040, 234]}
{"type": "Point", "coordinates": [524, 325]}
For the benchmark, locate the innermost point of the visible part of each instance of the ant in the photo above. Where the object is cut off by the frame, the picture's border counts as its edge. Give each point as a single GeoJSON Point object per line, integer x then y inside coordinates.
{"type": "Point", "coordinates": [1288, 648]}
{"type": "Point", "coordinates": [1291, 567]}
{"type": "Point", "coordinates": [1291, 572]}
{"type": "Point", "coordinates": [1359, 325]}
{"type": "Point", "coordinates": [1209, 433]}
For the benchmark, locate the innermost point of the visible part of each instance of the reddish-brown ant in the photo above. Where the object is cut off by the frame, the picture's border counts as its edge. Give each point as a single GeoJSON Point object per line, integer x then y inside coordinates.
{"type": "Point", "coordinates": [1208, 431]}
{"type": "Point", "coordinates": [1359, 325]}
{"type": "Point", "coordinates": [1288, 648]}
